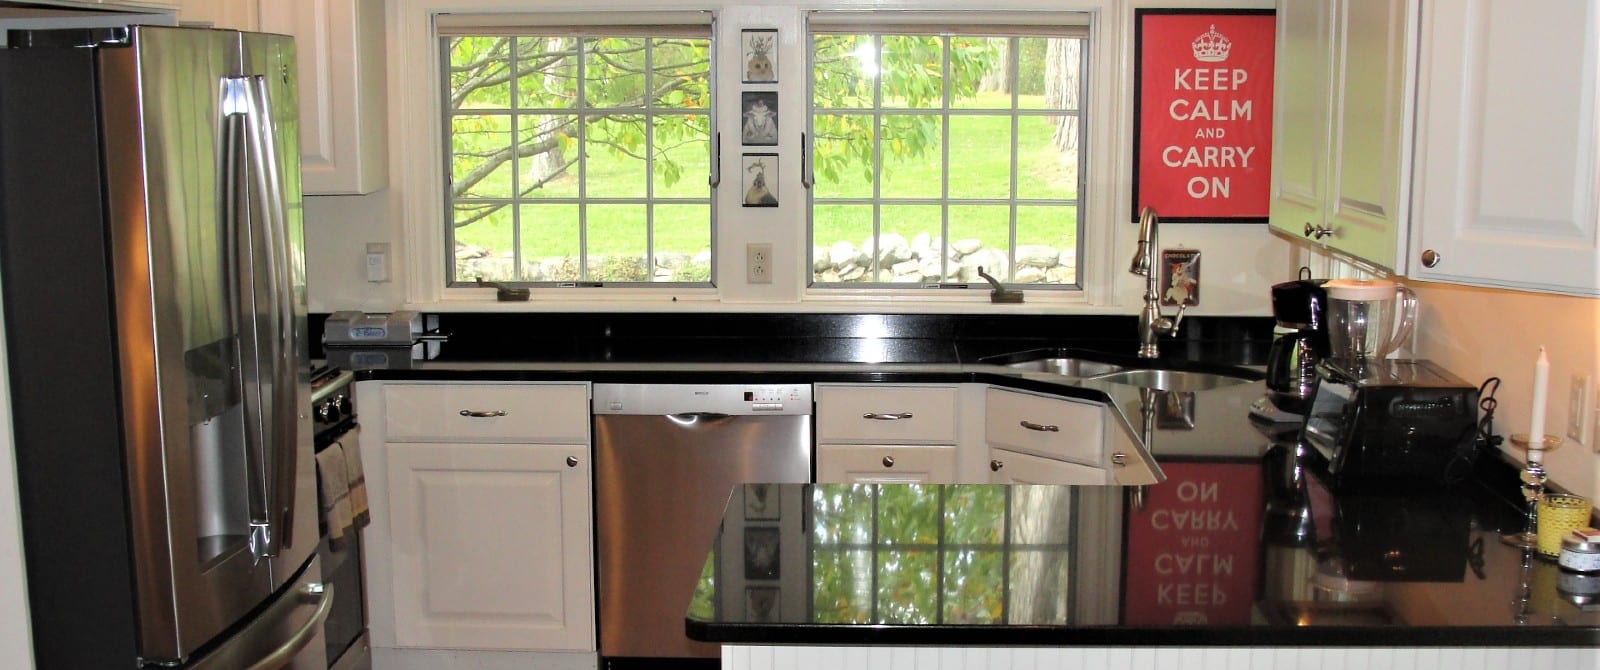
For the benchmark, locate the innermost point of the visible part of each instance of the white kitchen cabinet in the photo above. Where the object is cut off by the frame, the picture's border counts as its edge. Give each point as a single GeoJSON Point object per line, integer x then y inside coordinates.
{"type": "Point", "coordinates": [1506, 170]}
{"type": "Point", "coordinates": [491, 546]}
{"type": "Point", "coordinates": [234, 14]}
{"type": "Point", "coordinates": [1014, 467]}
{"type": "Point", "coordinates": [483, 523]}
{"type": "Point", "coordinates": [885, 464]}
{"type": "Point", "coordinates": [1343, 110]}
{"type": "Point", "coordinates": [881, 433]}
{"type": "Point", "coordinates": [343, 108]}
{"type": "Point", "coordinates": [1037, 439]}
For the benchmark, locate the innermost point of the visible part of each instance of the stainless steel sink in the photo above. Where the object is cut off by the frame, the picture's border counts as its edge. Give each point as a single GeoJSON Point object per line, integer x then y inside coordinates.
{"type": "Point", "coordinates": [1170, 380]}
{"type": "Point", "coordinates": [1070, 367]}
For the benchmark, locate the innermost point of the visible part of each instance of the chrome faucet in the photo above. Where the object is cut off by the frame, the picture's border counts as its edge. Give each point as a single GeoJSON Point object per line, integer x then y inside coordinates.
{"type": "Point", "coordinates": [1152, 323]}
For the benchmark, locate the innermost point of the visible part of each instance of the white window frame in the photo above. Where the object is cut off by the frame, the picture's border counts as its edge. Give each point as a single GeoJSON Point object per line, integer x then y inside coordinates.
{"type": "Point", "coordinates": [417, 154]}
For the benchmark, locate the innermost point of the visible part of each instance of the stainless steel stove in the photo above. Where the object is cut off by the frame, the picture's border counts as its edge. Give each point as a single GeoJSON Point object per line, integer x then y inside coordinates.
{"type": "Point", "coordinates": [333, 416]}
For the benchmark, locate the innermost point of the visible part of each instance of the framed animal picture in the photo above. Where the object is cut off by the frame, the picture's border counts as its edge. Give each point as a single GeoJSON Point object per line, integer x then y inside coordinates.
{"type": "Point", "coordinates": [760, 49]}
{"type": "Point", "coordinates": [759, 179]}
{"type": "Point", "coordinates": [758, 125]}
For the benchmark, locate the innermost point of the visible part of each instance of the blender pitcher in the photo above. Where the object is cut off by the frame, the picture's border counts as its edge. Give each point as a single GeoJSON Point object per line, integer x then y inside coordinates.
{"type": "Point", "coordinates": [1368, 319]}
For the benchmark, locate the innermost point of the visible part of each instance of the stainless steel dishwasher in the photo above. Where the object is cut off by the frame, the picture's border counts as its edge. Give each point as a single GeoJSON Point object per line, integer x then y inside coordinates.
{"type": "Point", "coordinates": [666, 458]}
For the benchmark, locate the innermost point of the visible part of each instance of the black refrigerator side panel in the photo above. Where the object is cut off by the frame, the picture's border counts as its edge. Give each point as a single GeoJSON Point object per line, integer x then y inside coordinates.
{"type": "Point", "coordinates": [61, 343]}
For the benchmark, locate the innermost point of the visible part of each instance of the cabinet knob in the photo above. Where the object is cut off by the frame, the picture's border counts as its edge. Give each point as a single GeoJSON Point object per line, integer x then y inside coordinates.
{"type": "Point", "coordinates": [995, 465]}
{"type": "Point", "coordinates": [572, 461]}
{"type": "Point", "coordinates": [1043, 428]}
{"type": "Point", "coordinates": [1318, 232]}
{"type": "Point", "coordinates": [1119, 459]}
{"type": "Point", "coordinates": [1430, 258]}
{"type": "Point", "coordinates": [888, 461]}
{"type": "Point", "coordinates": [483, 414]}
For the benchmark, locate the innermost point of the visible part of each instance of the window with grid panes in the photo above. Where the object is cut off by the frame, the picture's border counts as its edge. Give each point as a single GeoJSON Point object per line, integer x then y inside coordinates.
{"type": "Point", "coordinates": [940, 150]}
{"type": "Point", "coordinates": [578, 154]}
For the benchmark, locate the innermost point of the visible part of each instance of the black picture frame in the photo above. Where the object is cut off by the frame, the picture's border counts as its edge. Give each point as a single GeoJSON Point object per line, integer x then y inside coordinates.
{"type": "Point", "coordinates": [761, 502]}
{"type": "Point", "coordinates": [758, 118]}
{"type": "Point", "coordinates": [762, 604]}
{"type": "Point", "coordinates": [762, 545]}
{"type": "Point", "coordinates": [758, 56]}
{"type": "Point", "coordinates": [758, 180]}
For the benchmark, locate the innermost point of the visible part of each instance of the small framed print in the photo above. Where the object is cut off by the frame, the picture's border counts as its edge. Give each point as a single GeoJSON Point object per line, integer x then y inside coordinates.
{"type": "Point", "coordinates": [1180, 277]}
{"type": "Point", "coordinates": [760, 502]}
{"type": "Point", "coordinates": [761, 604]}
{"type": "Point", "coordinates": [759, 180]}
{"type": "Point", "coordinates": [760, 49]}
{"type": "Point", "coordinates": [758, 113]}
{"type": "Point", "coordinates": [761, 544]}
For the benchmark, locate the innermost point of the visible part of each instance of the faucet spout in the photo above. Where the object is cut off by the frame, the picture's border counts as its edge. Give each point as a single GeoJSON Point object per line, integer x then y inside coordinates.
{"type": "Point", "coordinates": [1152, 323]}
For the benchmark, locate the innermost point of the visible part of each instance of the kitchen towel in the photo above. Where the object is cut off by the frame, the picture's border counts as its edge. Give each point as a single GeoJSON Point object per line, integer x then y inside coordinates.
{"type": "Point", "coordinates": [335, 488]}
{"type": "Point", "coordinates": [357, 477]}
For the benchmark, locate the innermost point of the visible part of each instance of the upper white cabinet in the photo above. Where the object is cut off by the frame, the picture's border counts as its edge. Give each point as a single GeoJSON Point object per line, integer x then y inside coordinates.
{"type": "Point", "coordinates": [235, 14]}
{"type": "Point", "coordinates": [1342, 125]}
{"type": "Point", "coordinates": [343, 112]}
{"type": "Point", "coordinates": [1506, 178]}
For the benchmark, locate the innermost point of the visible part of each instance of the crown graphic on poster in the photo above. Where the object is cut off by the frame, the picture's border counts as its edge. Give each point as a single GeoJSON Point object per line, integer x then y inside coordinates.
{"type": "Point", "coordinates": [1211, 46]}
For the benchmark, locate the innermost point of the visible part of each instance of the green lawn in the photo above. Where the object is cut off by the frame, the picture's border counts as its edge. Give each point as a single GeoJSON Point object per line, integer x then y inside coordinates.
{"type": "Point", "coordinates": [980, 156]}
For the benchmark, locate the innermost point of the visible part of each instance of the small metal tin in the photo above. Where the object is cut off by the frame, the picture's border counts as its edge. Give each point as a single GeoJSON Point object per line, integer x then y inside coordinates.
{"type": "Point", "coordinates": [1580, 551]}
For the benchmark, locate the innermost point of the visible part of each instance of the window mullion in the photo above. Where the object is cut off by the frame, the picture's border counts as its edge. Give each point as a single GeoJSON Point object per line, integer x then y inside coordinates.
{"type": "Point", "coordinates": [1014, 67]}
{"type": "Point", "coordinates": [649, 158]}
{"type": "Point", "coordinates": [947, 100]}
{"type": "Point", "coordinates": [581, 106]}
{"type": "Point", "coordinates": [516, 165]}
{"type": "Point", "coordinates": [877, 155]}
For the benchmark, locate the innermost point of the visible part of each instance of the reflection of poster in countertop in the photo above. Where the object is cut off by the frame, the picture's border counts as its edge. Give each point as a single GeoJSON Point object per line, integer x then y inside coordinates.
{"type": "Point", "coordinates": [1203, 111]}
{"type": "Point", "coordinates": [1193, 550]}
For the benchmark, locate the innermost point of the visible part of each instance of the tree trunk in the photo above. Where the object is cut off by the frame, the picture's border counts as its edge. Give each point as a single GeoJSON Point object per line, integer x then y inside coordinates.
{"type": "Point", "coordinates": [999, 79]}
{"type": "Point", "coordinates": [1062, 84]}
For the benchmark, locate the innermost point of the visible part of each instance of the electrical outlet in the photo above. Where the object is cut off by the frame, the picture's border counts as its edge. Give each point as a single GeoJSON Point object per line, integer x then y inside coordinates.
{"type": "Point", "coordinates": [377, 261]}
{"type": "Point", "coordinates": [1578, 408]}
{"type": "Point", "coordinates": [758, 262]}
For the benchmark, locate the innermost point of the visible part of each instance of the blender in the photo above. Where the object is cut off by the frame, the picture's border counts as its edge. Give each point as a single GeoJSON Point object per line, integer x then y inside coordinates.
{"type": "Point", "coordinates": [1300, 341]}
{"type": "Point", "coordinates": [1367, 319]}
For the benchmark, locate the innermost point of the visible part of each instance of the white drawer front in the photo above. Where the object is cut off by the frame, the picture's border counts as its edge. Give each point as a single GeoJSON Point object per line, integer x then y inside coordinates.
{"type": "Point", "coordinates": [1049, 427]}
{"type": "Point", "coordinates": [885, 464]}
{"type": "Point", "coordinates": [550, 413]}
{"type": "Point", "coordinates": [886, 414]}
{"type": "Point", "coordinates": [1015, 467]}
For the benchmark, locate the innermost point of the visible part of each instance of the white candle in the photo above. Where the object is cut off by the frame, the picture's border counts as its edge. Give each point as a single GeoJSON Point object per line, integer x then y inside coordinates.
{"type": "Point", "coordinates": [1541, 379]}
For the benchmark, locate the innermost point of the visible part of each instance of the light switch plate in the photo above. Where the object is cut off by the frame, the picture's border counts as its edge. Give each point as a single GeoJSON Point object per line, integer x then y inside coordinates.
{"type": "Point", "coordinates": [1579, 412]}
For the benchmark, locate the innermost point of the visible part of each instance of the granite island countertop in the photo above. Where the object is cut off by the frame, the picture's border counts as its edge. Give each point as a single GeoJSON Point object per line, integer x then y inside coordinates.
{"type": "Point", "coordinates": [1222, 553]}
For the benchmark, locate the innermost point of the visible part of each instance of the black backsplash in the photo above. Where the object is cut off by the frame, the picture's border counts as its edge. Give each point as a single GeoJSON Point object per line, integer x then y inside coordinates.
{"type": "Point", "coordinates": [823, 338]}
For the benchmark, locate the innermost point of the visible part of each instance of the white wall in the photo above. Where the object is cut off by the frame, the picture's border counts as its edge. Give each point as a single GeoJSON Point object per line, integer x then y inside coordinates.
{"type": "Point", "coordinates": [1241, 261]}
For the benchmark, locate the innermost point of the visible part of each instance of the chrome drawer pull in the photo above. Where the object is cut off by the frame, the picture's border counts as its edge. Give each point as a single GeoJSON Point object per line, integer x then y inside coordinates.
{"type": "Point", "coordinates": [886, 417]}
{"type": "Point", "coordinates": [572, 461]}
{"type": "Point", "coordinates": [1041, 428]}
{"type": "Point", "coordinates": [483, 414]}
{"type": "Point", "coordinates": [888, 461]}
{"type": "Point", "coordinates": [995, 465]}
{"type": "Point", "coordinates": [1119, 459]}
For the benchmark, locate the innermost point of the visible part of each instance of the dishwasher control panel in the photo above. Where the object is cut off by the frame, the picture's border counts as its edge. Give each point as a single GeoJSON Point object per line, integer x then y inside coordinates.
{"type": "Point", "coordinates": [732, 399]}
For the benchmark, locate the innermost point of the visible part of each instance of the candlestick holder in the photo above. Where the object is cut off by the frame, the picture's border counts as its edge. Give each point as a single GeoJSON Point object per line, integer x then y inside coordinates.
{"type": "Point", "coordinates": [1533, 478]}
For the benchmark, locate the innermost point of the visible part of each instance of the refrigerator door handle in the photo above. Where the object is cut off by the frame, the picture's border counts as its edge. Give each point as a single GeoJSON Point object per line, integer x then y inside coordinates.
{"type": "Point", "coordinates": [284, 442]}
{"type": "Point", "coordinates": [240, 171]}
{"type": "Point", "coordinates": [307, 632]}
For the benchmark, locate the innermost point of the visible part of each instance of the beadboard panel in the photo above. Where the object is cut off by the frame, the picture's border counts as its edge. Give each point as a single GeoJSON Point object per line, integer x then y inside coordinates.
{"type": "Point", "coordinates": [1167, 658]}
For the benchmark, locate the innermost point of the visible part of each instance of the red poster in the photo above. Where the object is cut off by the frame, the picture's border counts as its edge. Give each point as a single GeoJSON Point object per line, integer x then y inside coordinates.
{"type": "Point", "coordinates": [1193, 550]}
{"type": "Point", "coordinates": [1203, 106]}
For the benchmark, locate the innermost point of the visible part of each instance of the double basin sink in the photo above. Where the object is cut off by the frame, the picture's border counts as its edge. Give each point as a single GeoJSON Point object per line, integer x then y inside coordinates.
{"type": "Point", "coordinates": [1140, 374]}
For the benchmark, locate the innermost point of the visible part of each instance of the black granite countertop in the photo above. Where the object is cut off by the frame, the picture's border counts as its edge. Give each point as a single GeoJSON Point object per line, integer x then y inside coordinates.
{"type": "Point", "coordinates": [1248, 553]}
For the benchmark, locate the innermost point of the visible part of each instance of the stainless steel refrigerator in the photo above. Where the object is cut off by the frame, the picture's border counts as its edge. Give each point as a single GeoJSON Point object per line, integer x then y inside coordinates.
{"type": "Point", "coordinates": [153, 281]}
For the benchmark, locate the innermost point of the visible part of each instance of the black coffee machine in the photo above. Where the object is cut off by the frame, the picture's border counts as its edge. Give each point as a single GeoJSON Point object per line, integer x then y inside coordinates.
{"type": "Point", "coordinates": [1300, 341]}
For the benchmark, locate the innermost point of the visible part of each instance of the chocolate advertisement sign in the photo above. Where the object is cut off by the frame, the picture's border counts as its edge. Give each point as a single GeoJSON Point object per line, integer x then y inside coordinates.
{"type": "Point", "coordinates": [1203, 114]}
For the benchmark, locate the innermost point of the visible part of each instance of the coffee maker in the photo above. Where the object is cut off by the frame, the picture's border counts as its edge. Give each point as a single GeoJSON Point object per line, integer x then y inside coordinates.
{"type": "Point", "coordinates": [1300, 341]}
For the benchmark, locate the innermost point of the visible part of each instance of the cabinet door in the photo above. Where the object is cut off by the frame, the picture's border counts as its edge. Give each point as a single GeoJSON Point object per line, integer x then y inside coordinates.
{"type": "Point", "coordinates": [343, 111]}
{"type": "Point", "coordinates": [1300, 118]}
{"type": "Point", "coordinates": [1506, 174]}
{"type": "Point", "coordinates": [491, 546]}
{"type": "Point", "coordinates": [1369, 155]}
{"type": "Point", "coordinates": [887, 464]}
{"type": "Point", "coordinates": [234, 14]}
{"type": "Point", "coordinates": [1013, 467]}
{"type": "Point", "coordinates": [1055, 428]}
